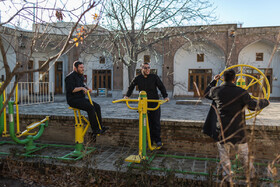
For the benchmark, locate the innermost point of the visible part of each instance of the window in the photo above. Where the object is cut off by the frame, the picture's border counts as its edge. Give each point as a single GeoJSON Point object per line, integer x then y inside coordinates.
{"type": "Point", "coordinates": [147, 58]}
{"type": "Point", "coordinates": [259, 56]}
{"type": "Point", "coordinates": [200, 57]}
{"type": "Point", "coordinates": [102, 60]}
{"type": "Point", "coordinates": [30, 75]}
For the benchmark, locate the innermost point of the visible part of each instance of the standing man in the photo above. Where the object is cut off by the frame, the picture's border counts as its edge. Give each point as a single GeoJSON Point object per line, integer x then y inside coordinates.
{"type": "Point", "coordinates": [75, 96]}
{"type": "Point", "coordinates": [149, 83]}
{"type": "Point", "coordinates": [231, 102]}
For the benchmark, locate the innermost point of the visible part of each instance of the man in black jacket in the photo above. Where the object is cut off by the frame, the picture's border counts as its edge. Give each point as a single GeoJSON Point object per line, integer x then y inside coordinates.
{"type": "Point", "coordinates": [231, 102]}
{"type": "Point", "coordinates": [75, 96]}
{"type": "Point", "coordinates": [149, 83]}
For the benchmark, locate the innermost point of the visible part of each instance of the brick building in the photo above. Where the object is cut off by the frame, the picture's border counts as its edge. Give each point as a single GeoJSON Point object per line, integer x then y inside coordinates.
{"type": "Point", "coordinates": [179, 62]}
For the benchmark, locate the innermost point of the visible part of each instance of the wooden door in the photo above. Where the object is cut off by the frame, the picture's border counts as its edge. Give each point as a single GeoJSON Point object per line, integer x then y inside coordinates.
{"type": "Point", "coordinates": [198, 81]}
{"type": "Point", "coordinates": [101, 79]}
{"type": "Point", "coordinates": [58, 77]}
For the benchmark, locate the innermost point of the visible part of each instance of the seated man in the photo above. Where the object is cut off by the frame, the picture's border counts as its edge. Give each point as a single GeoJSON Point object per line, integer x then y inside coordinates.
{"type": "Point", "coordinates": [75, 96]}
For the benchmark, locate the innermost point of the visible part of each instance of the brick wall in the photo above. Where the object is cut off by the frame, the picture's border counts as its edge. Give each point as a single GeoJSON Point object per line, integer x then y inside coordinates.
{"type": "Point", "coordinates": [177, 136]}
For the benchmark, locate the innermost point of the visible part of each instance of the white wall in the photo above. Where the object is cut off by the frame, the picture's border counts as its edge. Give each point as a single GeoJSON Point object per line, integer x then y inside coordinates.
{"type": "Point", "coordinates": [248, 56]}
{"type": "Point", "coordinates": [91, 62]}
{"type": "Point", "coordinates": [37, 57]}
{"type": "Point", "coordinates": [186, 58]}
{"type": "Point", "coordinates": [156, 63]}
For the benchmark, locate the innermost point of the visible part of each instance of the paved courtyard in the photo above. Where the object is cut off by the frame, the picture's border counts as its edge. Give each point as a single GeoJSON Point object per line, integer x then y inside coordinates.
{"type": "Point", "coordinates": [170, 110]}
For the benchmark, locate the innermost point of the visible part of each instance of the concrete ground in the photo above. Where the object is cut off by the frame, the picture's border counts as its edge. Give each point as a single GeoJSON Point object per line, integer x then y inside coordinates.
{"type": "Point", "coordinates": [169, 111]}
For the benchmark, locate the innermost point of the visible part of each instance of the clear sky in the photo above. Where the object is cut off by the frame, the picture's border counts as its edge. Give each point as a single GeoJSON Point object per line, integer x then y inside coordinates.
{"type": "Point", "coordinates": [252, 13]}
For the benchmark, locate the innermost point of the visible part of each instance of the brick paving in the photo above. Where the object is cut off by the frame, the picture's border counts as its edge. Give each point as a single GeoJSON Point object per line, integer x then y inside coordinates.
{"type": "Point", "coordinates": [112, 159]}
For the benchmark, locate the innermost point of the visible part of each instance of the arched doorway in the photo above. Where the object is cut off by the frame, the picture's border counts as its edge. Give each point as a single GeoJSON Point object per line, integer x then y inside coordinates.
{"type": "Point", "coordinates": [194, 65]}
{"type": "Point", "coordinates": [258, 54]}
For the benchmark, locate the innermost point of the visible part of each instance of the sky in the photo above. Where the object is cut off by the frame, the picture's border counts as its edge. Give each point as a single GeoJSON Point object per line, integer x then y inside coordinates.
{"type": "Point", "coordinates": [251, 13]}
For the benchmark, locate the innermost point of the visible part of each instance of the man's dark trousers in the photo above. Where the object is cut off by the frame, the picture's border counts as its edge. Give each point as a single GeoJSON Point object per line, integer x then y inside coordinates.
{"type": "Point", "coordinates": [154, 124]}
{"type": "Point", "coordinates": [84, 104]}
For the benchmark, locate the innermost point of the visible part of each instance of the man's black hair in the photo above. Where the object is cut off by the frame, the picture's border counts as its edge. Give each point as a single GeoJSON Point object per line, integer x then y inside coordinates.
{"type": "Point", "coordinates": [77, 63]}
{"type": "Point", "coordinates": [144, 63]}
{"type": "Point", "coordinates": [229, 75]}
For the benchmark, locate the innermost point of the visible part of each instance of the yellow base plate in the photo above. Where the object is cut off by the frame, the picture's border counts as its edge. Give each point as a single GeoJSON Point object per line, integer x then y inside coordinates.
{"type": "Point", "coordinates": [135, 158]}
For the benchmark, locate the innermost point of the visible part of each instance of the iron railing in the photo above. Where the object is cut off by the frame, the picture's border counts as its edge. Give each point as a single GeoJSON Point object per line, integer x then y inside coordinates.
{"type": "Point", "coordinates": [33, 92]}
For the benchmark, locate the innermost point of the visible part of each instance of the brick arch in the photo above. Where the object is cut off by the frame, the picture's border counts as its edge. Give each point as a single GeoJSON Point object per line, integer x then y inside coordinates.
{"type": "Point", "coordinates": [181, 43]}
{"type": "Point", "coordinates": [253, 41]}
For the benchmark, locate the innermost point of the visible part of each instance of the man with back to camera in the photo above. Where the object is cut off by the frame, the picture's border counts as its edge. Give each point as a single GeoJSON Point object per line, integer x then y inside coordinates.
{"type": "Point", "coordinates": [149, 83]}
{"type": "Point", "coordinates": [75, 96]}
{"type": "Point", "coordinates": [231, 102]}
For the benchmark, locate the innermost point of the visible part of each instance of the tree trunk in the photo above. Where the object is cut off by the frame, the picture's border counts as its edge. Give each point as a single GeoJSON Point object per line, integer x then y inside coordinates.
{"type": "Point", "coordinates": [131, 71]}
{"type": "Point", "coordinates": [131, 68]}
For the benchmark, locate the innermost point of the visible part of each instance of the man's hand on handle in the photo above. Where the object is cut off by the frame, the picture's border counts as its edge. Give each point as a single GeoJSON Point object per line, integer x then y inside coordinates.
{"type": "Point", "coordinates": [217, 77]}
{"type": "Point", "coordinates": [90, 90]}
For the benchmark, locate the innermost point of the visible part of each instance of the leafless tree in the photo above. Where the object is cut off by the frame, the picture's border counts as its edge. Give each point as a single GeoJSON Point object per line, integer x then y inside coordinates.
{"type": "Point", "coordinates": [43, 16]}
{"type": "Point", "coordinates": [136, 26]}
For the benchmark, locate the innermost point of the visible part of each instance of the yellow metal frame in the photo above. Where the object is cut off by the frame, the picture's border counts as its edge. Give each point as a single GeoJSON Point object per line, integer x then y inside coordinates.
{"type": "Point", "coordinates": [95, 112]}
{"type": "Point", "coordinates": [144, 130]}
{"type": "Point", "coordinates": [5, 132]}
{"type": "Point", "coordinates": [80, 129]}
{"type": "Point", "coordinates": [241, 81]}
{"type": "Point", "coordinates": [30, 127]}
{"type": "Point", "coordinates": [33, 126]}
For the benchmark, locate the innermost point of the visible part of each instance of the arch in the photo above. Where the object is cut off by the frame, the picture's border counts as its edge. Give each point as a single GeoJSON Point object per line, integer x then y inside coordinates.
{"type": "Point", "coordinates": [263, 48]}
{"type": "Point", "coordinates": [182, 43]}
{"type": "Point", "coordinates": [251, 42]}
{"type": "Point", "coordinates": [98, 61]}
{"type": "Point", "coordinates": [185, 59]}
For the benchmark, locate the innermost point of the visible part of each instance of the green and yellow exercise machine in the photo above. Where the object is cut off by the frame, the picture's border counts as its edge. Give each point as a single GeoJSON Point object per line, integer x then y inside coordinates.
{"type": "Point", "coordinates": [144, 130]}
{"type": "Point", "coordinates": [28, 132]}
{"type": "Point", "coordinates": [29, 135]}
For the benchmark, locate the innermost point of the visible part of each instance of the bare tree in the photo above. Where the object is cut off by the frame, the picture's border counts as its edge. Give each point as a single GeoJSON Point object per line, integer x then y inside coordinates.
{"type": "Point", "coordinates": [45, 37]}
{"type": "Point", "coordinates": [138, 25]}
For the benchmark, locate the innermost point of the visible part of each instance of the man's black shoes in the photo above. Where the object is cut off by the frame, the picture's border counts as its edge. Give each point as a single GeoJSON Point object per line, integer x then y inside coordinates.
{"type": "Point", "coordinates": [104, 128]}
{"type": "Point", "coordinates": [102, 131]}
{"type": "Point", "coordinates": [159, 144]}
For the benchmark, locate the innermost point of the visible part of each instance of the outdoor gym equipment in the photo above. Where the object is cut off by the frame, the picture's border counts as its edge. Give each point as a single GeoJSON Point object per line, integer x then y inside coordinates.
{"type": "Point", "coordinates": [31, 147]}
{"type": "Point", "coordinates": [28, 141]}
{"type": "Point", "coordinates": [144, 130]}
{"type": "Point", "coordinates": [80, 131]}
{"type": "Point", "coordinates": [246, 80]}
